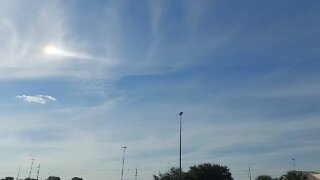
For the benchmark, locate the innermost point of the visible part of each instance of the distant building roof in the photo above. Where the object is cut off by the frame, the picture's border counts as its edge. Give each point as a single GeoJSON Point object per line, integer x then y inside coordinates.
{"type": "Point", "coordinates": [314, 176]}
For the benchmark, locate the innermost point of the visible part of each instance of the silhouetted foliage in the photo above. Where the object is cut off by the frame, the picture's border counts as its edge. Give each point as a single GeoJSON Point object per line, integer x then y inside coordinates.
{"type": "Point", "coordinates": [76, 178]}
{"type": "Point", "coordinates": [204, 171]}
{"type": "Point", "coordinates": [30, 179]}
{"type": "Point", "coordinates": [172, 174]}
{"type": "Point", "coordinates": [208, 171]}
{"type": "Point", "coordinates": [8, 178]}
{"type": "Point", "coordinates": [264, 177]}
{"type": "Point", "coordinates": [53, 178]}
{"type": "Point", "coordinates": [294, 175]}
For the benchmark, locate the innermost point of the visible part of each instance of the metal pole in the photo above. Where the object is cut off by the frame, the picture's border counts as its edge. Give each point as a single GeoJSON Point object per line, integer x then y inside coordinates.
{"type": "Point", "coordinates": [136, 173]}
{"type": "Point", "coordinates": [249, 173]}
{"type": "Point", "coordinates": [38, 172]}
{"type": "Point", "coordinates": [180, 114]}
{"type": "Point", "coordinates": [18, 174]}
{"type": "Point", "coordinates": [124, 150]}
{"type": "Point", "coordinates": [31, 167]}
{"type": "Point", "coordinates": [294, 165]}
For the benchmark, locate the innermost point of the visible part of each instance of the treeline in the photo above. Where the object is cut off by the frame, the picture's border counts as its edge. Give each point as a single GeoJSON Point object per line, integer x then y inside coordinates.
{"type": "Point", "coordinates": [208, 171]}
{"type": "Point", "coordinates": [49, 178]}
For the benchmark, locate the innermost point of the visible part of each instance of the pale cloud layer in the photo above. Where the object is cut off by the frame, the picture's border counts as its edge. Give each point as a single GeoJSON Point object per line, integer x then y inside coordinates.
{"type": "Point", "coordinates": [39, 99]}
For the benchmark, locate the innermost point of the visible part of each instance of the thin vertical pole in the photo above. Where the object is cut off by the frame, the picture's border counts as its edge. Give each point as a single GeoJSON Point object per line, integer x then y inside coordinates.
{"type": "Point", "coordinates": [180, 114]}
{"type": "Point", "coordinates": [31, 168]}
{"type": "Point", "coordinates": [38, 172]}
{"type": "Point", "coordinates": [18, 174]}
{"type": "Point", "coordinates": [294, 164]}
{"type": "Point", "coordinates": [249, 173]}
{"type": "Point", "coordinates": [124, 150]}
{"type": "Point", "coordinates": [136, 174]}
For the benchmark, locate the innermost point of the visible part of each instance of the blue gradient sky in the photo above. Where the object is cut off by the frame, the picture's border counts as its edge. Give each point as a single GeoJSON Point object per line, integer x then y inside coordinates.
{"type": "Point", "coordinates": [246, 74]}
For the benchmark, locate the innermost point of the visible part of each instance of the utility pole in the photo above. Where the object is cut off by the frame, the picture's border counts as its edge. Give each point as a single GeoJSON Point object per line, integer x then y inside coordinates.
{"type": "Point", "coordinates": [38, 172]}
{"type": "Point", "coordinates": [136, 174]}
{"type": "Point", "coordinates": [124, 151]}
{"type": "Point", "coordinates": [249, 173]}
{"type": "Point", "coordinates": [18, 174]}
{"type": "Point", "coordinates": [31, 168]}
{"type": "Point", "coordinates": [180, 114]}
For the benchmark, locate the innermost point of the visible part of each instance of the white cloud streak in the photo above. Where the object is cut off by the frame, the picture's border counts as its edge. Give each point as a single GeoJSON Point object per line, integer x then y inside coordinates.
{"type": "Point", "coordinates": [39, 99]}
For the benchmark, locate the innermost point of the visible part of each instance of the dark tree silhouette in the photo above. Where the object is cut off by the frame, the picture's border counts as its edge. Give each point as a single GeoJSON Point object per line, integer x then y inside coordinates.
{"type": "Point", "coordinates": [172, 174]}
{"type": "Point", "coordinates": [208, 171]}
{"type": "Point", "coordinates": [8, 178]}
{"type": "Point", "coordinates": [76, 178]}
{"type": "Point", "coordinates": [264, 177]}
{"type": "Point", "coordinates": [53, 178]}
{"type": "Point", "coordinates": [204, 171]}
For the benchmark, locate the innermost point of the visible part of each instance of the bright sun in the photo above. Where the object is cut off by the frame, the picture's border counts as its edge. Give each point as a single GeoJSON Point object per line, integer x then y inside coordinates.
{"type": "Point", "coordinates": [51, 50]}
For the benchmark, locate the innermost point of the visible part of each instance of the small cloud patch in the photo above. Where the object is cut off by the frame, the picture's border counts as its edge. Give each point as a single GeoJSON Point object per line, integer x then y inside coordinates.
{"type": "Point", "coordinates": [39, 99]}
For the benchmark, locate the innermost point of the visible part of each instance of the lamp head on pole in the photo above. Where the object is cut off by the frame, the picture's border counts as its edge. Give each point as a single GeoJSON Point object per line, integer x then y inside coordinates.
{"type": "Point", "coordinates": [180, 113]}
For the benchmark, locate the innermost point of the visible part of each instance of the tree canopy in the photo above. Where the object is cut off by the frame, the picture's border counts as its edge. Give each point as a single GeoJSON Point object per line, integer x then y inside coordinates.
{"type": "Point", "coordinates": [172, 174]}
{"type": "Point", "coordinates": [76, 178]}
{"type": "Point", "coordinates": [206, 171]}
{"type": "Point", "coordinates": [264, 177]}
{"type": "Point", "coordinates": [8, 178]}
{"type": "Point", "coordinates": [53, 178]}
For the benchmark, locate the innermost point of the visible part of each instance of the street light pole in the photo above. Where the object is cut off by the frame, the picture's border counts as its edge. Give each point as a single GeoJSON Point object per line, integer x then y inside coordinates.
{"type": "Point", "coordinates": [294, 164]}
{"type": "Point", "coordinates": [124, 150]}
{"type": "Point", "coordinates": [180, 114]}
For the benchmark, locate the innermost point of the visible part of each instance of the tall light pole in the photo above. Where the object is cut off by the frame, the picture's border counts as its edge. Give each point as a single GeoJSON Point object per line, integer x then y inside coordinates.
{"type": "Point", "coordinates": [180, 114]}
{"type": "Point", "coordinates": [124, 151]}
{"type": "Point", "coordinates": [294, 164]}
{"type": "Point", "coordinates": [31, 167]}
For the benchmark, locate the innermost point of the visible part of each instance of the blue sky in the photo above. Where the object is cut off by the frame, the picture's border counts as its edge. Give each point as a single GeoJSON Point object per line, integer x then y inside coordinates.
{"type": "Point", "coordinates": [80, 79]}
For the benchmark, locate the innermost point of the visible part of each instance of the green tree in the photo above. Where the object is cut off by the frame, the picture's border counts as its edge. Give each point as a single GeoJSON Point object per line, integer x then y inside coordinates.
{"type": "Point", "coordinates": [208, 171]}
{"type": "Point", "coordinates": [53, 178]}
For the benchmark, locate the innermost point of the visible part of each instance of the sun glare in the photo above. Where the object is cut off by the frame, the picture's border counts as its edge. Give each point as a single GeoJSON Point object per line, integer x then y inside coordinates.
{"type": "Point", "coordinates": [51, 50]}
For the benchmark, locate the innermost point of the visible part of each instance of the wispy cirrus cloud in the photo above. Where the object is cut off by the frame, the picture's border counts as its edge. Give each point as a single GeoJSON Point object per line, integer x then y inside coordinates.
{"type": "Point", "coordinates": [39, 99]}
